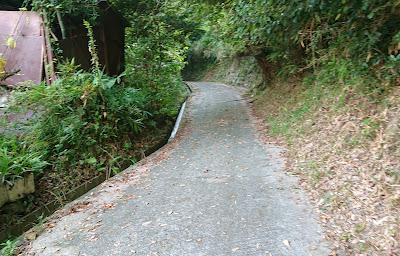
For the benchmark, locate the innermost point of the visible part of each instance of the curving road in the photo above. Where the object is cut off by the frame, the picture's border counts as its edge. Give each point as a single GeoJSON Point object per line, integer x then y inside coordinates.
{"type": "Point", "coordinates": [216, 189]}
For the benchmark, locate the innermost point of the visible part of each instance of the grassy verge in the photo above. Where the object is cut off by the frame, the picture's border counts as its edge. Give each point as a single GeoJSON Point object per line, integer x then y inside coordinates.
{"type": "Point", "coordinates": [343, 141]}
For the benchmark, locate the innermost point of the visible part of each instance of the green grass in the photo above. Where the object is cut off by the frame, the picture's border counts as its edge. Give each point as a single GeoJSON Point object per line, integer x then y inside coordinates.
{"type": "Point", "coordinates": [17, 159]}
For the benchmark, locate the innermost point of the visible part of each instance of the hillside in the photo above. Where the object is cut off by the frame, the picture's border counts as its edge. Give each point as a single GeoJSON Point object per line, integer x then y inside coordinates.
{"type": "Point", "coordinates": [344, 148]}
{"type": "Point", "coordinates": [329, 93]}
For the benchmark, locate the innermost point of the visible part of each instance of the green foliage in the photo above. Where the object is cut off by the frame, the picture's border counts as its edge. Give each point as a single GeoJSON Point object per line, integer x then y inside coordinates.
{"type": "Point", "coordinates": [309, 34]}
{"type": "Point", "coordinates": [9, 248]}
{"type": "Point", "coordinates": [87, 123]}
{"type": "Point", "coordinates": [81, 115]}
{"type": "Point", "coordinates": [156, 47]}
{"type": "Point", "coordinates": [92, 48]}
{"type": "Point", "coordinates": [156, 74]}
{"type": "Point", "coordinates": [359, 26]}
{"type": "Point", "coordinates": [287, 122]}
{"type": "Point", "coordinates": [78, 8]}
{"type": "Point", "coordinates": [87, 116]}
{"type": "Point", "coordinates": [17, 159]}
{"type": "Point", "coordinates": [85, 120]}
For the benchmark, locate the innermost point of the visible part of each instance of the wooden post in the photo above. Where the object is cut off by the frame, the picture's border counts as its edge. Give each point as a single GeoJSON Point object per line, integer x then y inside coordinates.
{"type": "Point", "coordinates": [48, 53]}
{"type": "Point", "coordinates": [44, 55]}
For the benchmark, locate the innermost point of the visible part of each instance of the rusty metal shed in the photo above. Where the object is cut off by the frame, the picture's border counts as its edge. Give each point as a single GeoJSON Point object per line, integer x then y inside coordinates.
{"type": "Point", "coordinates": [25, 29]}
{"type": "Point", "coordinates": [31, 57]}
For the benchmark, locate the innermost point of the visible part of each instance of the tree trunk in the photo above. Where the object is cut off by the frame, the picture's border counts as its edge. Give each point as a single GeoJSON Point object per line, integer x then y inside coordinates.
{"type": "Point", "coordinates": [265, 67]}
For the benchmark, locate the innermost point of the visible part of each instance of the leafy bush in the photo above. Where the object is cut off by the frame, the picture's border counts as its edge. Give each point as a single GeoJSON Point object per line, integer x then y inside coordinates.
{"type": "Point", "coordinates": [82, 116]}
{"type": "Point", "coordinates": [307, 35]}
{"type": "Point", "coordinates": [155, 54]}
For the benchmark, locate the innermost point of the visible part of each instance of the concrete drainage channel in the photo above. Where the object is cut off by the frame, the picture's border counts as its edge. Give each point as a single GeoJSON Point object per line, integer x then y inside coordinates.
{"type": "Point", "coordinates": [30, 220]}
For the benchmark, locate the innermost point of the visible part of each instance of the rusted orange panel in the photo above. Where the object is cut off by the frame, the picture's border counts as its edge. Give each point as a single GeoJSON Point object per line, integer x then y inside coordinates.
{"type": "Point", "coordinates": [25, 28]}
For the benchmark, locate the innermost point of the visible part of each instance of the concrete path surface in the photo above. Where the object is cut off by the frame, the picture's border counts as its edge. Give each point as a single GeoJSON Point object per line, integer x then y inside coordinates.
{"type": "Point", "coordinates": [214, 190]}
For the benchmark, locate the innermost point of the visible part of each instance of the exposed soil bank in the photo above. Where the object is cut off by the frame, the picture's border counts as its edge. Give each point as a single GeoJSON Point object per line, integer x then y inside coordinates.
{"type": "Point", "coordinates": [241, 71]}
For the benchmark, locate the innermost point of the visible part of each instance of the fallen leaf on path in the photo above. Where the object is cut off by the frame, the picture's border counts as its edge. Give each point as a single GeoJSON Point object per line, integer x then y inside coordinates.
{"type": "Point", "coordinates": [146, 223]}
{"type": "Point", "coordinates": [109, 206]}
{"type": "Point", "coordinates": [127, 225]}
{"type": "Point", "coordinates": [93, 238]}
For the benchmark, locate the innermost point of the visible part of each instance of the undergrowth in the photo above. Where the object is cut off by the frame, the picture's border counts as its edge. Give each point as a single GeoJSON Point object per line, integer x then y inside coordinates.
{"type": "Point", "coordinates": [82, 116]}
{"type": "Point", "coordinates": [344, 140]}
{"type": "Point", "coordinates": [86, 124]}
{"type": "Point", "coordinates": [17, 159]}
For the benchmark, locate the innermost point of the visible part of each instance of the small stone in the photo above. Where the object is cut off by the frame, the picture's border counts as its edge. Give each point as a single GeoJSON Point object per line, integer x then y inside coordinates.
{"type": "Point", "coordinates": [31, 236]}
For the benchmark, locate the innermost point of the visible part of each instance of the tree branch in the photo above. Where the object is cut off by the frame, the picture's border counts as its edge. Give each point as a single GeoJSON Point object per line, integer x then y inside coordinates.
{"type": "Point", "coordinates": [8, 74]}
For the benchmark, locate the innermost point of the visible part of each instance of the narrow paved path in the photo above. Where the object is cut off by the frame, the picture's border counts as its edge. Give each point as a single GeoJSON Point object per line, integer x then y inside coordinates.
{"type": "Point", "coordinates": [214, 190]}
